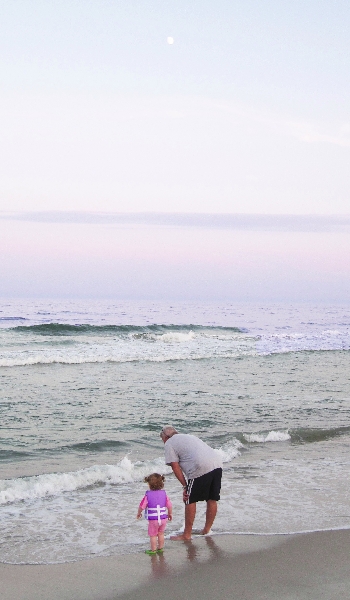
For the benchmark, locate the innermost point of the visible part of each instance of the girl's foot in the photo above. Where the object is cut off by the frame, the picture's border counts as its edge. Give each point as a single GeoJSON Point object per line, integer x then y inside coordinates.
{"type": "Point", "coordinates": [151, 552]}
{"type": "Point", "coordinates": [160, 550]}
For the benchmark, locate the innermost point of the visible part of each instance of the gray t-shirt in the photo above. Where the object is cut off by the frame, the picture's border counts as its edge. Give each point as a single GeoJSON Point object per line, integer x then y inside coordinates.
{"type": "Point", "coordinates": [194, 456]}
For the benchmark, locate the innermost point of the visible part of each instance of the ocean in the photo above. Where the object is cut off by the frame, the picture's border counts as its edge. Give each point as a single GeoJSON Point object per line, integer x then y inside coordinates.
{"type": "Point", "coordinates": [86, 387]}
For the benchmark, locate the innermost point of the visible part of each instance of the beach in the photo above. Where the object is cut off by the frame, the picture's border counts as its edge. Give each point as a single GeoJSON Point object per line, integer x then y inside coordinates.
{"type": "Point", "coordinates": [175, 242]}
{"type": "Point", "coordinates": [86, 388]}
{"type": "Point", "coordinates": [309, 566]}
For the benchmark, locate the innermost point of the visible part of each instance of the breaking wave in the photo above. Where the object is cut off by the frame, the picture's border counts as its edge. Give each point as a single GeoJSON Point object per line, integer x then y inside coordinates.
{"type": "Point", "coordinates": [62, 343]}
{"type": "Point", "coordinates": [271, 436]}
{"type": "Point", "coordinates": [302, 435]}
{"type": "Point", "coordinates": [78, 344]}
{"type": "Point", "coordinates": [125, 471]}
{"type": "Point", "coordinates": [305, 435]}
{"type": "Point", "coordinates": [53, 484]}
{"type": "Point", "coordinates": [66, 329]}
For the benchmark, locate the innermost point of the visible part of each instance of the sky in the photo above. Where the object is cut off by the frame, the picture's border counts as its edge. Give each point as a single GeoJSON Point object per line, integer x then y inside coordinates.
{"type": "Point", "coordinates": [245, 113]}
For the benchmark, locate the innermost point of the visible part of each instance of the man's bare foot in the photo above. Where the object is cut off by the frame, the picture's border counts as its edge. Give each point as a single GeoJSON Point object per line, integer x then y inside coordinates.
{"type": "Point", "coordinates": [204, 532]}
{"type": "Point", "coordinates": [180, 538]}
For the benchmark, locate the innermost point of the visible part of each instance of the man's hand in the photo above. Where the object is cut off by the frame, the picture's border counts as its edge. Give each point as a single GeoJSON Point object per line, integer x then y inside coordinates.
{"type": "Point", "coordinates": [185, 495]}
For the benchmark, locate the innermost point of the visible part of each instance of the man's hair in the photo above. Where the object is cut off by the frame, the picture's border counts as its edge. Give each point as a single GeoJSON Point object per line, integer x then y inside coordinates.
{"type": "Point", "coordinates": [169, 431]}
{"type": "Point", "coordinates": [155, 481]}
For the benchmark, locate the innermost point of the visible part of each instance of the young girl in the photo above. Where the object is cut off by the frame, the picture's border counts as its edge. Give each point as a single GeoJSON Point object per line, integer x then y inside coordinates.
{"type": "Point", "coordinates": [159, 510]}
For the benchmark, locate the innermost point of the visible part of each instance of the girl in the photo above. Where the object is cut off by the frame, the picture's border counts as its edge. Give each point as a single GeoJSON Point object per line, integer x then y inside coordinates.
{"type": "Point", "coordinates": [158, 511]}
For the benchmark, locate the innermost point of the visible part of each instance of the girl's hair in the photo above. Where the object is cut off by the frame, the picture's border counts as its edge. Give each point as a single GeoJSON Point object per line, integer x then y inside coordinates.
{"type": "Point", "coordinates": [155, 481]}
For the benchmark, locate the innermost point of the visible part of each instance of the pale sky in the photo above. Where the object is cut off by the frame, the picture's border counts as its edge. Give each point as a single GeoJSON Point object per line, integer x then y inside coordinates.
{"type": "Point", "coordinates": [247, 111]}
{"type": "Point", "coordinates": [175, 257]}
{"type": "Point", "coordinates": [131, 167]}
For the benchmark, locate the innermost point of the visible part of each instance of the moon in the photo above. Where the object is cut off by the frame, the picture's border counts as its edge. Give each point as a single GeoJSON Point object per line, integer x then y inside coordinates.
{"type": "Point", "coordinates": [170, 40]}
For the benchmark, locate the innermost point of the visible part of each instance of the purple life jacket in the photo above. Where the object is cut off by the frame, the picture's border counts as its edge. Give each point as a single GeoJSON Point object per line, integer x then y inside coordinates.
{"type": "Point", "coordinates": [156, 507]}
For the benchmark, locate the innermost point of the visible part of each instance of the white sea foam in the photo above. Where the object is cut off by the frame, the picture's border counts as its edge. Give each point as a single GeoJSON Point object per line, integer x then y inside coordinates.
{"type": "Point", "coordinates": [160, 344]}
{"type": "Point", "coordinates": [272, 436]}
{"type": "Point", "coordinates": [230, 450]}
{"type": "Point", "coordinates": [151, 347]}
{"type": "Point", "coordinates": [53, 484]}
{"type": "Point", "coordinates": [299, 341]}
{"type": "Point", "coordinates": [75, 360]}
{"type": "Point", "coordinates": [175, 336]}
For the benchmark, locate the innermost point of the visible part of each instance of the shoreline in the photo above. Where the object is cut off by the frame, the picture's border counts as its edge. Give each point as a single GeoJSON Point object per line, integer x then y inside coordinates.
{"type": "Point", "coordinates": [301, 566]}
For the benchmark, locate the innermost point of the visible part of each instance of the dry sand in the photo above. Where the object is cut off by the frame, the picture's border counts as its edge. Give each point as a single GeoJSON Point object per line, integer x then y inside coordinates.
{"type": "Point", "coordinates": [297, 567]}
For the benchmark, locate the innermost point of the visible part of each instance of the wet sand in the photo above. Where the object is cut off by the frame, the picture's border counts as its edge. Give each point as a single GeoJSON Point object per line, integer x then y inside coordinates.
{"type": "Point", "coordinates": [297, 567]}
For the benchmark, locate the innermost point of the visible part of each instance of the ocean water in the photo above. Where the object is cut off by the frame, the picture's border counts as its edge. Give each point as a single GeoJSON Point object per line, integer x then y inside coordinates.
{"type": "Point", "coordinates": [85, 388]}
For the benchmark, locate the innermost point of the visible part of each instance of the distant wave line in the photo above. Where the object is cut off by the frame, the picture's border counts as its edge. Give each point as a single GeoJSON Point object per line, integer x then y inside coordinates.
{"type": "Point", "coordinates": [83, 328]}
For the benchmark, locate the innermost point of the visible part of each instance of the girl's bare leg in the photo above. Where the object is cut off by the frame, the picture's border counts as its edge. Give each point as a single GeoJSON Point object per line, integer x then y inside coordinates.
{"type": "Point", "coordinates": [153, 540]}
{"type": "Point", "coordinates": [160, 541]}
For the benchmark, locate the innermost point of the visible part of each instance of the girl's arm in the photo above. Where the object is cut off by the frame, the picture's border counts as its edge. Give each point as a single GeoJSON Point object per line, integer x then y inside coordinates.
{"type": "Point", "coordinates": [143, 505]}
{"type": "Point", "coordinates": [170, 508]}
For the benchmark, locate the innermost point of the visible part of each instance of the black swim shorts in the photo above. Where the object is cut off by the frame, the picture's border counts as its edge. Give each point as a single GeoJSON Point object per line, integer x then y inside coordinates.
{"type": "Point", "coordinates": [206, 487]}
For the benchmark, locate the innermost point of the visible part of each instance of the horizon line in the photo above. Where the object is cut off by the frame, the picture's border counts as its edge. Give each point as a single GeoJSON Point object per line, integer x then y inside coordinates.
{"type": "Point", "coordinates": [310, 222]}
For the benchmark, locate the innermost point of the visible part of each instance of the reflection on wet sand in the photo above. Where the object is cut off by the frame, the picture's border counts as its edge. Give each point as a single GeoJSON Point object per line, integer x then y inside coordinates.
{"type": "Point", "coordinates": [162, 566]}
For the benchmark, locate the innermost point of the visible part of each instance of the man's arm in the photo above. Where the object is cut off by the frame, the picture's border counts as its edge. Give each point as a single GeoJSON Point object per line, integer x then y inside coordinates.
{"type": "Point", "coordinates": [180, 476]}
{"type": "Point", "coordinates": [178, 473]}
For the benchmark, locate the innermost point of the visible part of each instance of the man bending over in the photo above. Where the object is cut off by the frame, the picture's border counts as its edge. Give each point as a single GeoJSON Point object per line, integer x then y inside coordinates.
{"type": "Point", "coordinates": [191, 458]}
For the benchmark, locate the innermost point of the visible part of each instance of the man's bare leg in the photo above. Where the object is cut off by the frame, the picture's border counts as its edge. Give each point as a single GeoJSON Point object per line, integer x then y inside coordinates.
{"type": "Point", "coordinates": [190, 513]}
{"type": "Point", "coordinates": [212, 509]}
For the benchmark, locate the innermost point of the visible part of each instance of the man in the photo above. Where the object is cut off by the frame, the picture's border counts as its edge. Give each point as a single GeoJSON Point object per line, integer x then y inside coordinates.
{"type": "Point", "coordinates": [191, 457]}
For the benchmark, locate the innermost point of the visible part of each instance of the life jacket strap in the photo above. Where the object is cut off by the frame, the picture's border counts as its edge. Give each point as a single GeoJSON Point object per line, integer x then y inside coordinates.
{"type": "Point", "coordinates": [157, 511]}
